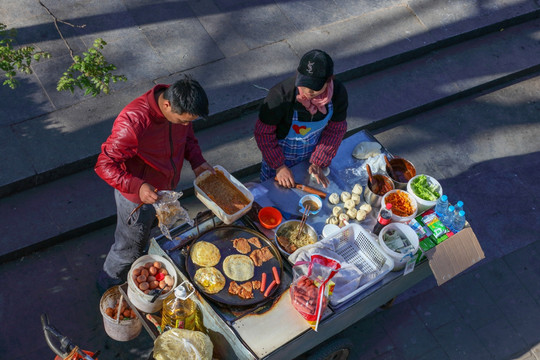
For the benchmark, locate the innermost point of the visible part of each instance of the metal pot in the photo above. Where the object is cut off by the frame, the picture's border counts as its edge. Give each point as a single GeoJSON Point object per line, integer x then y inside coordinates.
{"type": "Point", "coordinates": [404, 167]}
{"type": "Point", "coordinates": [373, 199]}
{"type": "Point", "coordinates": [289, 225]}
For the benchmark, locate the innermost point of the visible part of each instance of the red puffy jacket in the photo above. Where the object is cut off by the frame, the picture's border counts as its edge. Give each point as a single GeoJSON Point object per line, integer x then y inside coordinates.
{"type": "Point", "coordinates": [144, 147]}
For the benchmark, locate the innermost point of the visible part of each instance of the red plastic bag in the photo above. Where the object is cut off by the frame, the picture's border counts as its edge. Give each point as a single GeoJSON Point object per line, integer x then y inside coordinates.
{"type": "Point", "coordinates": [311, 287]}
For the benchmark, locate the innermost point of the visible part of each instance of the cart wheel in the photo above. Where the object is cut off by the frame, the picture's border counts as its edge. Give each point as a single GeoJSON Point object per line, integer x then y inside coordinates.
{"type": "Point", "coordinates": [335, 350]}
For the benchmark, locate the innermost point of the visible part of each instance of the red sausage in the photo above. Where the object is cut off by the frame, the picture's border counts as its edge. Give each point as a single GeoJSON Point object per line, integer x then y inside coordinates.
{"type": "Point", "coordinates": [270, 287]}
{"type": "Point", "coordinates": [263, 282]}
{"type": "Point", "coordinates": [276, 275]}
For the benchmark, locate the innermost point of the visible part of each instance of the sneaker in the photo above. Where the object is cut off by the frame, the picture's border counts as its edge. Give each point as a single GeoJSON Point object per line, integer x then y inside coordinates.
{"type": "Point", "coordinates": [105, 282]}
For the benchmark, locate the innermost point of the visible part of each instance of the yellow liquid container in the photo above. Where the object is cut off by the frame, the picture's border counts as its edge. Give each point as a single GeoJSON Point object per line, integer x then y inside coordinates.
{"type": "Point", "coordinates": [179, 310]}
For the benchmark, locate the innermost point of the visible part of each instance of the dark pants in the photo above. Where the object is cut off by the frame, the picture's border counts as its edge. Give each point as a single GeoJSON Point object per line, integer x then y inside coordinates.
{"type": "Point", "coordinates": [130, 238]}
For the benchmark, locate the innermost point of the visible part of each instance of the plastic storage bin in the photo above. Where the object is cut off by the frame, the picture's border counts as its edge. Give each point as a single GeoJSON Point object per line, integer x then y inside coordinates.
{"type": "Point", "coordinates": [219, 212]}
{"type": "Point", "coordinates": [360, 248]}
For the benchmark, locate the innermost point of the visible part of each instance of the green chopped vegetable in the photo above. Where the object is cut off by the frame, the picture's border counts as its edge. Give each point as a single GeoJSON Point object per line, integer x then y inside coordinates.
{"type": "Point", "coordinates": [424, 189]}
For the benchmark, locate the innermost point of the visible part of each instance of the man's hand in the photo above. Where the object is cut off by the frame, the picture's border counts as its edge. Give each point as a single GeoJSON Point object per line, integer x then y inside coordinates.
{"type": "Point", "coordinates": [202, 168]}
{"type": "Point", "coordinates": [148, 193]}
{"type": "Point", "coordinates": [284, 177]}
{"type": "Point", "coordinates": [317, 173]}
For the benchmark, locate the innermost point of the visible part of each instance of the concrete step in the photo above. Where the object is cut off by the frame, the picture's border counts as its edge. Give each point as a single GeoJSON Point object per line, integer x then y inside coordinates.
{"type": "Point", "coordinates": [81, 202]}
{"type": "Point", "coordinates": [365, 38]}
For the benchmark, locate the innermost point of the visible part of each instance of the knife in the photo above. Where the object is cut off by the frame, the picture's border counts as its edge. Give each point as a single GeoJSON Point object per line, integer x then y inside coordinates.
{"type": "Point", "coordinates": [311, 190]}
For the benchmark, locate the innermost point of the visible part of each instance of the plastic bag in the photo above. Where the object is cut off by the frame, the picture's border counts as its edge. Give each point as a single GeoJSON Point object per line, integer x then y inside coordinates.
{"type": "Point", "coordinates": [376, 163]}
{"type": "Point", "coordinates": [311, 287]}
{"type": "Point", "coordinates": [169, 211]}
{"type": "Point", "coordinates": [349, 277]}
{"type": "Point", "coordinates": [366, 149]}
{"type": "Point", "coordinates": [183, 344]}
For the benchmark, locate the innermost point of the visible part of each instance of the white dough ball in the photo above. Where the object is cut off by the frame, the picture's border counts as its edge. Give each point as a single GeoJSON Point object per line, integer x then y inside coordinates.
{"type": "Point", "coordinates": [357, 189]}
{"type": "Point", "coordinates": [361, 215]}
{"type": "Point", "coordinates": [332, 220]}
{"type": "Point", "coordinates": [366, 207]}
{"type": "Point", "coordinates": [345, 195]}
{"type": "Point", "coordinates": [349, 204]}
{"type": "Point", "coordinates": [352, 213]}
{"type": "Point", "coordinates": [356, 198]}
{"type": "Point", "coordinates": [337, 210]}
{"type": "Point", "coordinates": [333, 198]}
{"type": "Point", "coordinates": [342, 218]}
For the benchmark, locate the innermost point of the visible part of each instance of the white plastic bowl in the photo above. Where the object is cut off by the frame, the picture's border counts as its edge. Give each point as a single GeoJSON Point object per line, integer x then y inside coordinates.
{"type": "Point", "coordinates": [396, 218]}
{"type": "Point", "coordinates": [400, 260]}
{"type": "Point", "coordinates": [424, 205]}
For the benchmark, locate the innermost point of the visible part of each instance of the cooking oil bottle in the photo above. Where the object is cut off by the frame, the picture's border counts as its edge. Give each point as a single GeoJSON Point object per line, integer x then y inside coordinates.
{"type": "Point", "coordinates": [179, 309]}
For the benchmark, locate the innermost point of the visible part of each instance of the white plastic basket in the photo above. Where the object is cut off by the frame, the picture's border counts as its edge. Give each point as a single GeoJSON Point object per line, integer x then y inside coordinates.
{"type": "Point", "coordinates": [358, 247]}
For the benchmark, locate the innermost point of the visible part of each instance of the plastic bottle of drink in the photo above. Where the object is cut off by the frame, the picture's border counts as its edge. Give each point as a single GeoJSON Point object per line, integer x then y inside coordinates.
{"type": "Point", "coordinates": [448, 218]}
{"type": "Point", "coordinates": [384, 218]}
{"type": "Point", "coordinates": [459, 207]}
{"type": "Point", "coordinates": [179, 310]}
{"type": "Point", "coordinates": [441, 206]}
{"type": "Point", "coordinates": [459, 222]}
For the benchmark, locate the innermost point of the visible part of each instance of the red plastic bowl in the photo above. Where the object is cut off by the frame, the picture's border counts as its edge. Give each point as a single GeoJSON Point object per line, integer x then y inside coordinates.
{"type": "Point", "coordinates": [270, 217]}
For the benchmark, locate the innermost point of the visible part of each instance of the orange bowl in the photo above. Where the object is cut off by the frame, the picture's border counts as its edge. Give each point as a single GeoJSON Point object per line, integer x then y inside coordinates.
{"type": "Point", "coordinates": [270, 217]}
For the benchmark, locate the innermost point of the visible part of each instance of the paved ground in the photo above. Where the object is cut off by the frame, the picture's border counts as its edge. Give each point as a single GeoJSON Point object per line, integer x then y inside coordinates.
{"type": "Point", "coordinates": [399, 60]}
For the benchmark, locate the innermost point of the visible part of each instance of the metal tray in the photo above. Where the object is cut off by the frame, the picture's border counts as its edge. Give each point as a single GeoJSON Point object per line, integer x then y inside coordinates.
{"type": "Point", "coordinates": [222, 238]}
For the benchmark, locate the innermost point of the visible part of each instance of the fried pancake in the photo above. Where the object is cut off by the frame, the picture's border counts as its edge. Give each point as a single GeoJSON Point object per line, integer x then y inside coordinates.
{"type": "Point", "coordinates": [210, 280]}
{"type": "Point", "coordinates": [205, 254]}
{"type": "Point", "coordinates": [238, 267]}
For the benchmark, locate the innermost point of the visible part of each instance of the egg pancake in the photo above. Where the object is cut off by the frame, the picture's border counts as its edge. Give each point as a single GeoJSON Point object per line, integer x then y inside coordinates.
{"type": "Point", "coordinates": [205, 254]}
{"type": "Point", "coordinates": [238, 267]}
{"type": "Point", "coordinates": [210, 280]}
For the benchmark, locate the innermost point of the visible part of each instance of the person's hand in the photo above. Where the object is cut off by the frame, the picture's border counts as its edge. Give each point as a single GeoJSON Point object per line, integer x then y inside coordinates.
{"type": "Point", "coordinates": [202, 168]}
{"type": "Point", "coordinates": [284, 177]}
{"type": "Point", "coordinates": [148, 193]}
{"type": "Point", "coordinates": [317, 173]}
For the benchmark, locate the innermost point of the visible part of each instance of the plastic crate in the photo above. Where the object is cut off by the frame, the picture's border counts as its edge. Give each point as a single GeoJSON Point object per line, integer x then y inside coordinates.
{"type": "Point", "coordinates": [359, 247]}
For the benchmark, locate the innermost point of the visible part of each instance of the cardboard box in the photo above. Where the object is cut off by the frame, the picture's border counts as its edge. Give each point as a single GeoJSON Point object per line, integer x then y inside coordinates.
{"type": "Point", "coordinates": [452, 253]}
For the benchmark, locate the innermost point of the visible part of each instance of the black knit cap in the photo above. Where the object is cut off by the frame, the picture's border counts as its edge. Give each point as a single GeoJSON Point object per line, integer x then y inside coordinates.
{"type": "Point", "coordinates": [315, 68]}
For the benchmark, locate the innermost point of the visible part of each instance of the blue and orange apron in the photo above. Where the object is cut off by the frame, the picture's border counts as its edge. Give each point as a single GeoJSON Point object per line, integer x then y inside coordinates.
{"type": "Point", "coordinates": [299, 143]}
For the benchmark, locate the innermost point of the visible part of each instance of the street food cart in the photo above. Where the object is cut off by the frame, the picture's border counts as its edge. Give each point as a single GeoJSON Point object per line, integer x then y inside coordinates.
{"type": "Point", "coordinates": [274, 329]}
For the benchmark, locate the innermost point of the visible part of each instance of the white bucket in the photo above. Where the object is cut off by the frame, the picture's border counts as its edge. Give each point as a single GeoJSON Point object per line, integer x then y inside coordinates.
{"type": "Point", "coordinates": [399, 259]}
{"type": "Point", "coordinates": [138, 298]}
{"type": "Point", "coordinates": [121, 330]}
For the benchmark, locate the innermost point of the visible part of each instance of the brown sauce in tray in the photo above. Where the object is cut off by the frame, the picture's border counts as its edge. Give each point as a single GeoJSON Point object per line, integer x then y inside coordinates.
{"type": "Point", "coordinates": [221, 191]}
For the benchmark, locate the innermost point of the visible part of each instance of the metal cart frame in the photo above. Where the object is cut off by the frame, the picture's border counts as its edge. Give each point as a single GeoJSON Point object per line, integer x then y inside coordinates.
{"type": "Point", "coordinates": [228, 342]}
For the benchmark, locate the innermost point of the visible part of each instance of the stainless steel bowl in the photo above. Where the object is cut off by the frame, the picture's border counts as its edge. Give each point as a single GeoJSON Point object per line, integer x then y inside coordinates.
{"type": "Point", "coordinates": [373, 199]}
{"type": "Point", "coordinates": [290, 225]}
{"type": "Point", "coordinates": [403, 166]}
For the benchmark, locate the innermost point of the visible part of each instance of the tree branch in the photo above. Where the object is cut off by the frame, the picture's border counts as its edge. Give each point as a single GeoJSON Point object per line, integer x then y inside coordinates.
{"type": "Point", "coordinates": [56, 21]}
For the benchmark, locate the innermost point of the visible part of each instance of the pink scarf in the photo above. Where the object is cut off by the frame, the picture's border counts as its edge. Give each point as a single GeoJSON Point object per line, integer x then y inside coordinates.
{"type": "Point", "coordinates": [319, 101]}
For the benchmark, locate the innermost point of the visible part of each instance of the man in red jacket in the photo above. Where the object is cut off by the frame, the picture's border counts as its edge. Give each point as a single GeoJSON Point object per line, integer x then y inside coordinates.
{"type": "Point", "coordinates": [145, 152]}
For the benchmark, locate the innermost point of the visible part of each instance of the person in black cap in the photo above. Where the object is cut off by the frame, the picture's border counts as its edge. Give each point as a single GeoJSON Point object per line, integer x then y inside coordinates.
{"type": "Point", "coordinates": [302, 117]}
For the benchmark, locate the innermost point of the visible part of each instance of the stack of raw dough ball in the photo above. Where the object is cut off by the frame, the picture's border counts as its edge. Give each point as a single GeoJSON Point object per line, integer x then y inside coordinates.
{"type": "Point", "coordinates": [349, 211]}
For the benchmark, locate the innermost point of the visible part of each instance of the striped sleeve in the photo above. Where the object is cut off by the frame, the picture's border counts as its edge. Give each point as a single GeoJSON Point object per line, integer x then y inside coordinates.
{"type": "Point", "coordinates": [265, 136]}
{"type": "Point", "coordinates": [329, 143]}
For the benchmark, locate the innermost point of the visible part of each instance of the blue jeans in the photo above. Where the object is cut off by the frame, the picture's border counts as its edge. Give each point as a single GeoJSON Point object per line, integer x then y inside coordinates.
{"type": "Point", "coordinates": [131, 238]}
